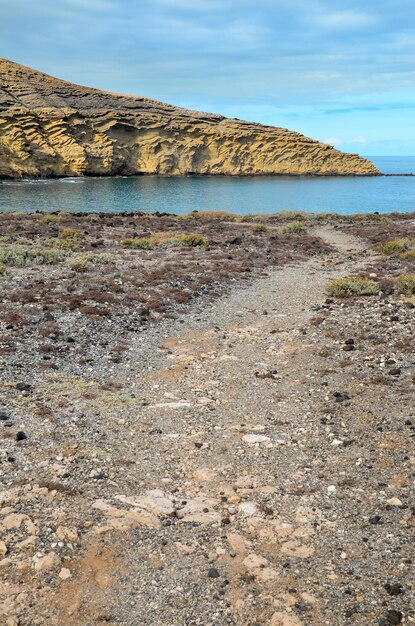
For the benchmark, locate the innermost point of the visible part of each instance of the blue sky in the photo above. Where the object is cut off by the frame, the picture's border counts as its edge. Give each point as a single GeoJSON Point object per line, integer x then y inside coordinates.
{"type": "Point", "coordinates": [340, 71]}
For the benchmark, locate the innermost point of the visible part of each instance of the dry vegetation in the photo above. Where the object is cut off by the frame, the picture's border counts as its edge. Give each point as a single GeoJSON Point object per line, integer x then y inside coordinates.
{"type": "Point", "coordinates": [61, 271]}
{"type": "Point", "coordinates": [393, 238]}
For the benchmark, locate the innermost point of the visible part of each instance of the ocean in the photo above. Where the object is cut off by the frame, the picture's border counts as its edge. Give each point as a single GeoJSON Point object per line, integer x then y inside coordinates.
{"type": "Point", "coordinates": [240, 195]}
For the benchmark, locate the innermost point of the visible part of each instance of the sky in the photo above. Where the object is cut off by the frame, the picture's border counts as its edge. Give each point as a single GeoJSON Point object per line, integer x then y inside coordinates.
{"type": "Point", "coordinates": [340, 71]}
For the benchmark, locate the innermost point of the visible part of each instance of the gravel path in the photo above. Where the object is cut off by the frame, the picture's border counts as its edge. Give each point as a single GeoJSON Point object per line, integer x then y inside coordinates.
{"type": "Point", "coordinates": [231, 490]}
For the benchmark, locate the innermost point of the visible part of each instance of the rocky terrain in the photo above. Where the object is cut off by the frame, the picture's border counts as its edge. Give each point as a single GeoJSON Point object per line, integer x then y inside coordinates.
{"type": "Point", "coordinates": [207, 430]}
{"type": "Point", "coordinates": [49, 127]}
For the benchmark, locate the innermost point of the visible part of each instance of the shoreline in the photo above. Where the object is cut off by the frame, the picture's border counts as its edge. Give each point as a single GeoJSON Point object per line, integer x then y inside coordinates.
{"type": "Point", "coordinates": [191, 175]}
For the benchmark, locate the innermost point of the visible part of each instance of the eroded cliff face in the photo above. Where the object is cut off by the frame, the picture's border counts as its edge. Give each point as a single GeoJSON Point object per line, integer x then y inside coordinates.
{"type": "Point", "coordinates": [49, 127]}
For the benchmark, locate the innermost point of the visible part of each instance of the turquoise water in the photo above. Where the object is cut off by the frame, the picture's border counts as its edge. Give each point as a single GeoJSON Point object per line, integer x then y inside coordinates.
{"type": "Point", "coordinates": [242, 195]}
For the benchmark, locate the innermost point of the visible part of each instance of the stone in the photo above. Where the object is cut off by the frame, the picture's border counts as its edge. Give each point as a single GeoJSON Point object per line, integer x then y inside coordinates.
{"type": "Point", "coordinates": [124, 520]}
{"type": "Point", "coordinates": [272, 374]}
{"type": "Point", "coordinates": [47, 562]}
{"type": "Point", "coordinates": [213, 573]}
{"type": "Point", "coordinates": [66, 534]}
{"type": "Point", "coordinates": [285, 619]}
{"type": "Point", "coordinates": [394, 502]}
{"type": "Point", "coordinates": [395, 371]}
{"type": "Point", "coordinates": [393, 589]}
{"type": "Point", "coordinates": [3, 548]}
{"type": "Point", "coordinates": [254, 561]}
{"type": "Point", "coordinates": [393, 617]}
{"type": "Point", "coordinates": [14, 520]}
{"type": "Point", "coordinates": [23, 386]}
{"type": "Point", "coordinates": [249, 508]}
{"type": "Point", "coordinates": [65, 573]}
{"type": "Point", "coordinates": [252, 438]}
{"type": "Point", "coordinates": [204, 474]}
{"type": "Point", "coordinates": [340, 397]}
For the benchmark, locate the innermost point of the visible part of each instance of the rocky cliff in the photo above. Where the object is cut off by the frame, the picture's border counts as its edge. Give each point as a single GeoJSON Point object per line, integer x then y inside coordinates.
{"type": "Point", "coordinates": [49, 127]}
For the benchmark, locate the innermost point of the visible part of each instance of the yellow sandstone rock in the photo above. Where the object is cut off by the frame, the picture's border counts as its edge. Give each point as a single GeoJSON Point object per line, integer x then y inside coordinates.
{"type": "Point", "coordinates": [49, 127]}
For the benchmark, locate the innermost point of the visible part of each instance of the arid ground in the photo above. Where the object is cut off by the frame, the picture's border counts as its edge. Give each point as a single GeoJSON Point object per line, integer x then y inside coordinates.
{"type": "Point", "coordinates": [202, 425]}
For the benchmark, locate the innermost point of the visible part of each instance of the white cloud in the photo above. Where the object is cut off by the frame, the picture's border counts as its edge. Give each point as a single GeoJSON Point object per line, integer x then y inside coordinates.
{"type": "Point", "coordinates": [345, 20]}
{"type": "Point", "coordinates": [359, 140]}
{"type": "Point", "coordinates": [333, 141]}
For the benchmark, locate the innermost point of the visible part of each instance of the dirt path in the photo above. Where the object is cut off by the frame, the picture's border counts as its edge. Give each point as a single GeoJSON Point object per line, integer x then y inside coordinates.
{"type": "Point", "coordinates": [229, 443]}
{"type": "Point", "coordinates": [225, 506]}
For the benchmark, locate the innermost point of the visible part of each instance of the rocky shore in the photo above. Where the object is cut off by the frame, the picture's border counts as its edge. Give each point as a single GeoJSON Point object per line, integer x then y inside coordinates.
{"type": "Point", "coordinates": [207, 420]}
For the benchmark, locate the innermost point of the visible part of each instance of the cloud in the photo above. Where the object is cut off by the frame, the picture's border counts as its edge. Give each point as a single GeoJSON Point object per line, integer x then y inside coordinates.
{"type": "Point", "coordinates": [346, 20]}
{"type": "Point", "coordinates": [359, 139]}
{"type": "Point", "coordinates": [333, 141]}
{"type": "Point", "coordinates": [270, 58]}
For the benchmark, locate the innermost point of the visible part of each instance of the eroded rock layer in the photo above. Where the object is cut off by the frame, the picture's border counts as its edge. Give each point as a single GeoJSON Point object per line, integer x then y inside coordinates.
{"type": "Point", "coordinates": [49, 127]}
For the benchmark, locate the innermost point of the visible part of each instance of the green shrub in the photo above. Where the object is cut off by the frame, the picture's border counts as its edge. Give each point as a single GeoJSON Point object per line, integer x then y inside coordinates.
{"type": "Point", "coordinates": [18, 255]}
{"type": "Point", "coordinates": [352, 286]}
{"type": "Point", "coordinates": [51, 219]}
{"type": "Point", "coordinates": [299, 216]}
{"type": "Point", "coordinates": [142, 243]}
{"type": "Point", "coordinates": [406, 284]}
{"type": "Point", "coordinates": [190, 240]}
{"type": "Point", "coordinates": [295, 228]}
{"type": "Point", "coordinates": [367, 217]}
{"type": "Point", "coordinates": [65, 245]}
{"type": "Point", "coordinates": [211, 215]}
{"type": "Point", "coordinates": [409, 254]}
{"type": "Point", "coordinates": [259, 228]}
{"type": "Point", "coordinates": [247, 218]}
{"type": "Point", "coordinates": [69, 233]}
{"type": "Point", "coordinates": [85, 262]}
{"type": "Point", "coordinates": [45, 256]}
{"type": "Point", "coordinates": [326, 216]}
{"type": "Point", "coordinates": [3, 269]}
{"type": "Point", "coordinates": [395, 246]}
{"type": "Point", "coordinates": [165, 240]}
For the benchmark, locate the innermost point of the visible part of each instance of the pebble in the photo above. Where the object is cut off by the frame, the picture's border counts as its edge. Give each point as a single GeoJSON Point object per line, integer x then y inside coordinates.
{"type": "Point", "coordinates": [393, 589]}
{"type": "Point", "coordinates": [213, 573]}
{"type": "Point", "coordinates": [255, 438]}
{"type": "Point", "coordinates": [394, 502]}
{"type": "Point", "coordinates": [65, 573]}
{"type": "Point", "coordinates": [23, 387]}
{"type": "Point", "coordinates": [392, 617]}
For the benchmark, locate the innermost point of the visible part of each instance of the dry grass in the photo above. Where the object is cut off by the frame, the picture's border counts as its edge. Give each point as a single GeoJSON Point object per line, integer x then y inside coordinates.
{"type": "Point", "coordinates": [165, 240]}
{"type": "Point", "coordinates": [87, 261]}
{"type": "Point", "coordinates": [396, 246]}
{"type": "Point", "coordinates": [20, 255]}
{"type": "Point", "coordinates": [406, 284]}
{"type": "Point", "coordinates": [113, 287]}
{"type": "Point", "coordinates": [70, 233]}
{"type": "Point", "coordinates": [352, 286]}
{"type": "Point", "coordinates": [295, 228]}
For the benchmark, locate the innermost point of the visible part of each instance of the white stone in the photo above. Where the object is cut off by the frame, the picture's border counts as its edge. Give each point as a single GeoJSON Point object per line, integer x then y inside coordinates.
{"type": "Point", "coordinates": [249, 508]}
{"type": "Point", "coordinates": [251, 439]}
{"type": "Point", "coordinates": [65, 573]}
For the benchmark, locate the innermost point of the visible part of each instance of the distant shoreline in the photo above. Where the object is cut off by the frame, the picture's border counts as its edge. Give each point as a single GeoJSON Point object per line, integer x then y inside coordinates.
{"type": "Point", "coordinates": [196, 175]}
